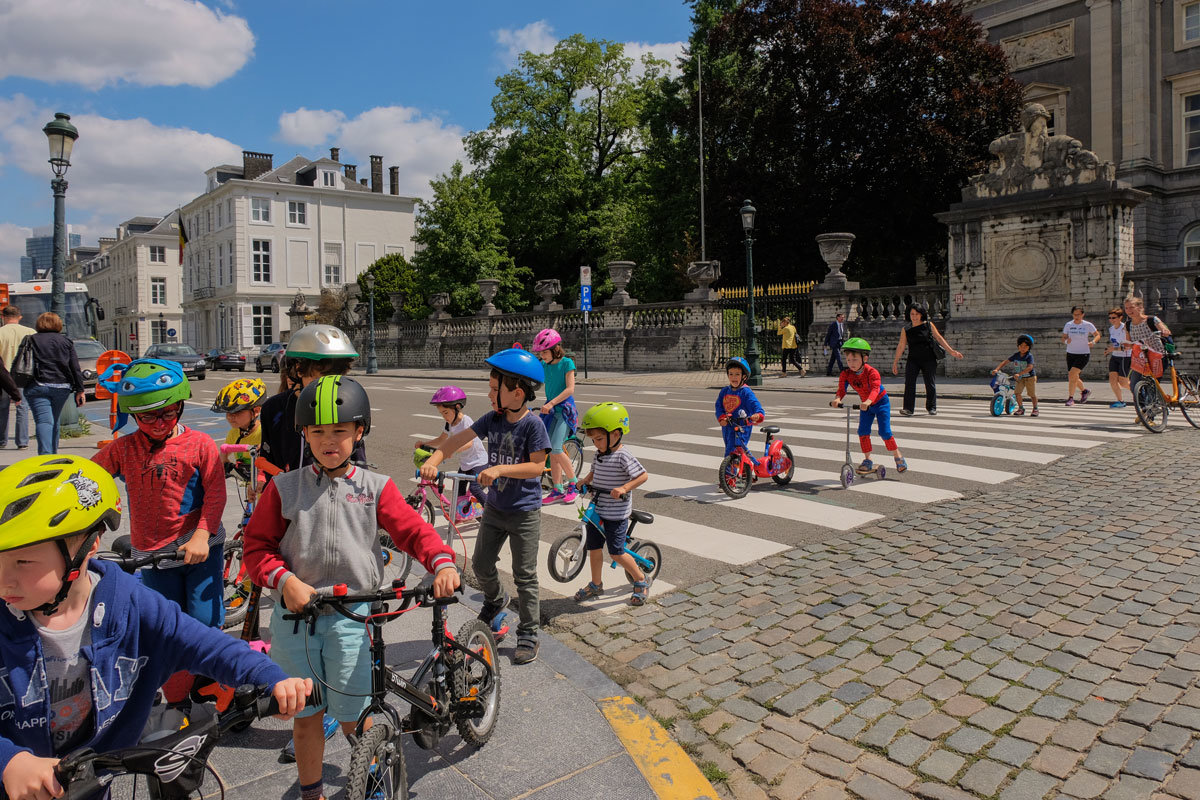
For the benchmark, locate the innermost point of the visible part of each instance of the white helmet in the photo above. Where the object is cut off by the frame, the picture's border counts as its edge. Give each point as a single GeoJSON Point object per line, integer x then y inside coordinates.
{"type": "Point", "coordinates": [320, 342]}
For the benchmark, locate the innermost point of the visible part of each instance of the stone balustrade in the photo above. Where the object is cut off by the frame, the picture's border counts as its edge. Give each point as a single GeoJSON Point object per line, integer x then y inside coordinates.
{"type": "Point", "coordinates": [1170, 293]}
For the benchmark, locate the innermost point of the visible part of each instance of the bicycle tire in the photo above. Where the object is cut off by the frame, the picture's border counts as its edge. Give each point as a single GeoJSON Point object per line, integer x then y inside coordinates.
{"type": "Point", "coordinates": [573, 450]}
{"type": "Point", "coordinates": [379, 746]}
{"type": "Point", "coordinates": [237, 586]}
{"type": "Point", "coordinates": [651, 552]}
{"type": "Point", "coordinates": [477, 637]}
{"type": "Point", "coordinates": [784, 478]}
{"type": "Point", "coordinates": [401, 560]}
{"type": "Point", "coordinates": [997, 407]}
{"type": "Point", "coordinates": [1150, 405]}
{"type": "Point", "coordinates": [566, 557]}
{"type": "Point", "coordinates": [736, 485]}
{"type": "Point", "coordinates": [1189, 399]}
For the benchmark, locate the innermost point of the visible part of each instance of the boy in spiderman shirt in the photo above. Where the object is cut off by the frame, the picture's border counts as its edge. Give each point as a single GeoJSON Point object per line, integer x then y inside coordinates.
{"type": "Point", "coordinates": [873, 402]}
{"type": "Point", "coordinates": [737, 407]}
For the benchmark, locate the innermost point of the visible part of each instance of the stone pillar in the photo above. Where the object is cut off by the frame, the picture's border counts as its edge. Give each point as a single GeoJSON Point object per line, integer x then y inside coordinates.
{"type": "Point", "coordinates": [1101, 78]}
{"type": "Point", "coordinates": [488, 288]}
{"type": "Point", "coordinates": [620, 272]}
{"type": "Point", "coordinates": [1136, 90]}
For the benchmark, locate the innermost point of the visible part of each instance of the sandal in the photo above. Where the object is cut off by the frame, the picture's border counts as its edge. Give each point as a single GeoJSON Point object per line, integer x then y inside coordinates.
{"type": "Point", "coordinates": [588, 592]}
{"type": "Point", "coordinates": [640, 590]}
{"type": "Point", "coordinates": [1020, 412]}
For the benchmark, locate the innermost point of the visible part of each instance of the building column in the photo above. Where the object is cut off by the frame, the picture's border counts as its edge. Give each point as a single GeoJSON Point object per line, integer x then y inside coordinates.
{"type": "Point", "coordinates": [1102, 79]}
{"type": "Point", "coordinates": [1135, 83]}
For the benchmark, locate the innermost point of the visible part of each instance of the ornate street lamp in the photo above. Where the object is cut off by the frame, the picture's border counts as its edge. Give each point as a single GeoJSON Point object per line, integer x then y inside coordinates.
{"type": "Point", "coordinates": [372, 359]}
{"type": "Point", "coordinates": [747, 213]}
{"type": "Point", "coordinates": [162, 327]}
{"type": "Point", "coordinates": [61, 135]}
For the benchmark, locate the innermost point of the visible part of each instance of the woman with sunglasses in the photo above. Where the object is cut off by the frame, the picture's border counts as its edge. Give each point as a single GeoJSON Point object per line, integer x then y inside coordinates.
{"type": "Point", "coordinates": [176, 486]}
{"type": "Point", "coordinates": [1119, 355]}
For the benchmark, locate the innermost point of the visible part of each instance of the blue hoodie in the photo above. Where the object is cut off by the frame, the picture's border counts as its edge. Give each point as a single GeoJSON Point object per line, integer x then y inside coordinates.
{"type": "Point", "coordinates": [139, 639]}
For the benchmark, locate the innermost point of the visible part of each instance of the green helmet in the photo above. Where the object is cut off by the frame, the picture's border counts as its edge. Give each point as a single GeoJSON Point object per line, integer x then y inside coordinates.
{"type": "Point", "coordinates": [149, 384]}
{"type": "Point", "coordinates": [609, 416]}
{"type": "Point", "coordinates": [856, 344]}
{"type": "Point", "coordinates": [332, 399]}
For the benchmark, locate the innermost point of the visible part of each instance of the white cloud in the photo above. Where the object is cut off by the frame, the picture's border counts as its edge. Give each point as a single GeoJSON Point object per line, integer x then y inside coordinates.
{"type": "Point", "coordinates": [536, 37]}
{"type": "Point", "coordinates": [12, 247]}
{"type": "Point", "coordinates": [96, 43]}
{"type": "Point", "coordinates": [667, 51]}
{"type": "Point", "coordinates": [423, 147]}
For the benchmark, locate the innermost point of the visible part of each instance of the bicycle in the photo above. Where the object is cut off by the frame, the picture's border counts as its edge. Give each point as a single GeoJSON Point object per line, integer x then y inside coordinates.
{"type": "Point", "coordinates": [1004, 397]}
{"type": "Point", "coordinates": [738, 471]}
{"type": "Point", "coordinates": [173, 762]}
{"type": "Point", "coordinates": [568, 554]}
{"type": "Point", "coordinates": [457, 684]}
{"type": "Point", "coordinates": [573, 449]}
{"type": "Point", "coordinates": [1150, 401]}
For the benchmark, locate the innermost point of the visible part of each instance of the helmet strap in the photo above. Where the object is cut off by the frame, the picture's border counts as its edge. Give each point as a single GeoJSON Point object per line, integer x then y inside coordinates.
{"type": "Point", "coordinates": [74, 563]}
{"type": "Point", "coordinates": [608, 442]}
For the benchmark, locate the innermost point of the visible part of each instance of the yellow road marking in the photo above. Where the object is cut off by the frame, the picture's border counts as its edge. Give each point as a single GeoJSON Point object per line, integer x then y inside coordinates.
{"type": "Point", "coordinates": [669, 771]}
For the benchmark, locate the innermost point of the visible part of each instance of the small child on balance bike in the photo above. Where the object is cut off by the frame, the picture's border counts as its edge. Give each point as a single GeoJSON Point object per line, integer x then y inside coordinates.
{"type": "Point", "coordinates": [738, 401]}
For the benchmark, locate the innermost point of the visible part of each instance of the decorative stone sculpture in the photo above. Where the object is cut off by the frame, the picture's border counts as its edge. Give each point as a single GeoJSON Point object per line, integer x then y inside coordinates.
{"type": "Point", "coordinates": [439, 301]}
{"type": "Point", "coordinates": [835, 249]}
{"type": "Point", "coordinates": [620, 272]}
{"type": "Point", "coordinates": [299, 304]}
{"type": "Point", "coordinates": [547, 290]}
{"type": "Point", "coordinates": [397, 301]}
{"type": "Point", "coordinates": [703, 273]}
{"type": "Point", "coordinates": [488, 288]}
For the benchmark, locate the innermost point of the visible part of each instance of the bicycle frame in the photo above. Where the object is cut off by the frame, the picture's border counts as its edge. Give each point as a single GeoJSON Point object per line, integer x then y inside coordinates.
{"type": "Point", "coordinates": [771, 448]}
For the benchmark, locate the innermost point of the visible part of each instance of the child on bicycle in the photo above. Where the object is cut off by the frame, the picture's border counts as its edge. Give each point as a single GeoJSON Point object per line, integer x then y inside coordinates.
{"type": "Point", "coordinates": [449, 401]}
{"type": "Point", "coordinates": [241, 403]}
{"type": "Point", "coordinates": [615, 474]}
{"type": "Point", "coordinates": [316, 527]}
{"type": "Point", "coordinates": [176, 486]}
{"type": "Point", "coordinates": [738, 409]}
{"type": "Point", "coordinates": [517, 444]}
{"type": "Point", "coordinates": [83, 646]}
{"type": "Point", "coordinates": [558, 413]}
{"type": "Point", "coordinates": [1025, 377]}
{"type": "Point", "coordinates": [873, 402]}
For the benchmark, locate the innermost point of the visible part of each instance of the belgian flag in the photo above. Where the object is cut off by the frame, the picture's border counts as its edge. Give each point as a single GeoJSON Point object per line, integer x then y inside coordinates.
{"type": "Point", "coordinates": [183, 239]}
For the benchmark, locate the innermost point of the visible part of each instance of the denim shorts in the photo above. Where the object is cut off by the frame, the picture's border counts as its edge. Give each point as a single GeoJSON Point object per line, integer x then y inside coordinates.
{"type": "Point", "coordinates": [613, 535]}
{"type": "Point", "coordinates": [340, 656]}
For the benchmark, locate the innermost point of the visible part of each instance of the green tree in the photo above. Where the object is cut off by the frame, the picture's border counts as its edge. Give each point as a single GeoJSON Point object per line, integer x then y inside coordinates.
{"type": "Point", "coordinates": [393, 273]}
{"type": "Point", "coordinates": [461, 238]}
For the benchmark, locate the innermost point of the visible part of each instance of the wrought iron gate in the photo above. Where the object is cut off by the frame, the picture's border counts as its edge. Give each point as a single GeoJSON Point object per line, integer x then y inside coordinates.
{"type": "Point", "coordinates": [771, 304]}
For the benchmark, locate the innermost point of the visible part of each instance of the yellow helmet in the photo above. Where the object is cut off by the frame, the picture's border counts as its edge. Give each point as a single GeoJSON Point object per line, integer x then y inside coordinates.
{"type": "Point", "coordinates": [43, 498]}
{"type": "Point", "coordinates": [239, 395]}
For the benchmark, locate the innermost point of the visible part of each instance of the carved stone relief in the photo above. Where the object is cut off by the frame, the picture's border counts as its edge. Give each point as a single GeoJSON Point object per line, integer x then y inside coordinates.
{"type": "Point", "coordinates": [1028, 264]}
{"type": "Point", "coordinates": [1039, 47]}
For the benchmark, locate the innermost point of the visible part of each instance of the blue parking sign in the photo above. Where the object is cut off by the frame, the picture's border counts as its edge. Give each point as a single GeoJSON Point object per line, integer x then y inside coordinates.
{"type": "Point", "coordinates": [585, 298]}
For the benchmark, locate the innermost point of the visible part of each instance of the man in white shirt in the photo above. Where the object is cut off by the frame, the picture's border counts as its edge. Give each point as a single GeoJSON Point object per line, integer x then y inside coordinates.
{"type": "Point", "coordinates": [11, 334]}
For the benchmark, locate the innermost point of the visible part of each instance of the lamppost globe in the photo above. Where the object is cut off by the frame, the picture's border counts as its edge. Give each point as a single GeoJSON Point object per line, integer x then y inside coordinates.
{"type": "Point", "coordinates": [372, 359]}
{"type": "Point", "coordinates": [747, 214]}
{"type": "Point", "coordinates": [61, 136]}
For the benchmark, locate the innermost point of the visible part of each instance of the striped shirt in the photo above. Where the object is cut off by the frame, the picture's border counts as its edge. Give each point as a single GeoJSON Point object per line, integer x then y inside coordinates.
{"type": "Point", "coordinates": [610, 471]}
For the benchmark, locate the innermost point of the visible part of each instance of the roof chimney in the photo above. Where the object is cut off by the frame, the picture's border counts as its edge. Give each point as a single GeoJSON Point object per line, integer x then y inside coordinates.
{"type": "Point", "coordinates": [377, 174]}
{"type": "Point", "coordinates": [363, 181]}
{"type": "Point", "coordinates": [394, 178]}
{"type": "Point", "coordinates": [255, 164]}
{"type": "Point", "coordinates": [334, 152]}
{"type": "Point", "coordinates": [351, 171]}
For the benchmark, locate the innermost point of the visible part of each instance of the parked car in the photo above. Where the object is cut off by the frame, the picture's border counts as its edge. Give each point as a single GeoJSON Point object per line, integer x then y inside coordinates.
{"type": "Point", "coordinates": [88, 351]}
{"type": "Point", "coordinates": [270, 357]}
{"type": "Point", "coordinates": [225, 358]}
{"type": "Point", "coordinates": [192, 362]}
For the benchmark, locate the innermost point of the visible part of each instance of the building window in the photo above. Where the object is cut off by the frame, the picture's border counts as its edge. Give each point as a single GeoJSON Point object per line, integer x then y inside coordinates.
{"type": "Point", "coordinates": [220, 266]}
{"type": "Point", "coordinates": [262, 324]}
{"type": "Point", "coordinates": [1191, 247]}
{"type": "Point", "coordinates": [229, 247]}
{"type": "Point", "coordinates": [208, 220]}
{"type": "Point", "coordinates": [158, 331]}
{"type": "Point", "coordinates": [328, 178]}
{"type": "Point", "coordinates": [1191, 22]}
{"type": "Point", "coordinates": [1191, 129]}
{"type": "Point", "coordinates": [158, 291]}
{"type": "Point", "coordinates": [261, 250]}
{"type": "Point", "coordinates": [333, 264]}
{"type": "Point", "coordinates": [158, 254]}
{"type": "Point", "coordinates": [297, 213]}
{"type": "Point", "coordinates": [260, 209]}
{"type": "Point", "coordinates": [220, 216]}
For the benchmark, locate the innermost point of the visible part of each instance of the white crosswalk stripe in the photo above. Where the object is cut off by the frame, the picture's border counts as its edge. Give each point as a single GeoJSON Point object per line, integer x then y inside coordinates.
{"type": "Point", "coordinates": [936, 429]}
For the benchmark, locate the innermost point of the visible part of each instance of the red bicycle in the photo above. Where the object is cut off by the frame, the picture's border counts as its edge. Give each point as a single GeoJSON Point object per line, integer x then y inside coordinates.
{"type": "Point", "coordinates": [739, 471]}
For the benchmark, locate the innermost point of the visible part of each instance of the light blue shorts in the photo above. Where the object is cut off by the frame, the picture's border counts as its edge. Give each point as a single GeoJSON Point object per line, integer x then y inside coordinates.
{"type": "Point", "coordinates": [559, 431]}
{"type": "Point", "coordinates": [340, 656]}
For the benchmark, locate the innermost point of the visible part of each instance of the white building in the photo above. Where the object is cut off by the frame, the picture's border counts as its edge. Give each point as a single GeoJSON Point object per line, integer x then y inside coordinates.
{"type": "Point", "coordinates": [261, 234]}
{"type": "Point", "coordinates": [135, 278]}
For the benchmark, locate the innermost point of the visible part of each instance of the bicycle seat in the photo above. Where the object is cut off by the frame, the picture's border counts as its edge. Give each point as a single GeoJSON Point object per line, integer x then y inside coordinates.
{"type": "Point", "coordinates": [644, 517]}
{"type": "Point", "coordinates": [769, 429]}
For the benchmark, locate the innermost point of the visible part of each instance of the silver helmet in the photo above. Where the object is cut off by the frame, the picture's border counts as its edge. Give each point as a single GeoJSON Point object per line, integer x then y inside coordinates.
{"type": "Point", "coordinates": [319, 342]}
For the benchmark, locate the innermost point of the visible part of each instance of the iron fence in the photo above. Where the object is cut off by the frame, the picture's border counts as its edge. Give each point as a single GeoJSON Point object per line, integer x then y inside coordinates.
{"type": "Point", "coordinates": [771, 304]}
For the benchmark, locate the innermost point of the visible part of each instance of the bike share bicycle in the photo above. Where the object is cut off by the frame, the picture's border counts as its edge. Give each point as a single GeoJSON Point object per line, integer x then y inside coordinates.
{"type": "Point", "coordinates": [738, 470]}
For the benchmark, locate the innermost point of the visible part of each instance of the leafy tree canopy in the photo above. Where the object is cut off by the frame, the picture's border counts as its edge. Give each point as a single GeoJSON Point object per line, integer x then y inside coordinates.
{"type": "Point", "coordinates": [394, 273]}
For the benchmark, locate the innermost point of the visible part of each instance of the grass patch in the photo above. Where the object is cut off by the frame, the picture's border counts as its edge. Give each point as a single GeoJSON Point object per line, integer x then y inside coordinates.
{"type": "Point", "coordinates": [696, 716]}
{"type": "Point", "coordinates": [668, 723]}
{"type": "Point", "coordinates": [712, 772]}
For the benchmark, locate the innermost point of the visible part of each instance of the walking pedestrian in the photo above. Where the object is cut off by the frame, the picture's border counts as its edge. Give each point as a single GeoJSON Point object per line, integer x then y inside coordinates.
{"type": "Point", "coordinates": [1078, 335]}
{"type": "Point", "coordinates": [922, 339]}
{"type": "Point", "coordinates": [834, 336]}
{"type": "Point", "coordinates": [1119, 355]}
{"type": "Point", "coordinates": [1151, 331]}
{"type": "Point", "coordinates": [11, 334]}
{"type": "Point", "coordinates": [787, 332]}
{"type": "Point", "coordinates": [56, 377]}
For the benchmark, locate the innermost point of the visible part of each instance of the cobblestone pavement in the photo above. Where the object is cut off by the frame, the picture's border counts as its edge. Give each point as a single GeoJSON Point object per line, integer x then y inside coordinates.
{"type": "Point", "coordinates": [1040, 640]}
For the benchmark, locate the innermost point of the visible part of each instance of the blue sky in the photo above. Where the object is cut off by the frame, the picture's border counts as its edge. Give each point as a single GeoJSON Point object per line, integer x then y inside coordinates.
{"type": "Point", "coordinates": [163, 89]}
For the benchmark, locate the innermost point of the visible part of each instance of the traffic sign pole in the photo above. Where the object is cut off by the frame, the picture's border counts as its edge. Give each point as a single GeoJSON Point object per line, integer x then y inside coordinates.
{"type": "Point", "coordinates": [585, 304]}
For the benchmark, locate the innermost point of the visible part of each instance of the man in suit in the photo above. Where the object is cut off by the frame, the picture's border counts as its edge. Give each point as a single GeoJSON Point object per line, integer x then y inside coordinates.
{"type": "Point", "coordinates": [834, 336]}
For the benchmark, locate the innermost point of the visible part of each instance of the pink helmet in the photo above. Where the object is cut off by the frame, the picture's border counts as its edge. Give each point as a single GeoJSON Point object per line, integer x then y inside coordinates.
{"type": "Point", "coordinates": [448, 395]}
{"type": "Point", "coordinates": [546, 339]}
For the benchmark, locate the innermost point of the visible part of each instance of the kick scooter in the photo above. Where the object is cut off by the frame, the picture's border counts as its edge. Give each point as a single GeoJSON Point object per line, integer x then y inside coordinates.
{"type": "Point", "coordinates": [849, 471]}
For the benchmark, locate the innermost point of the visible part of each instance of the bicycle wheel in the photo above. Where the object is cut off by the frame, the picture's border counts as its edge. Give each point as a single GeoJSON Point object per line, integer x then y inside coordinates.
{"type": "Point", "coordinates": [650, 552]}
{"type": "Point", "coordinates": [237, 585]}
{"type": "Point", "coordinates": [567, 556]}
{"type": "Point", "coordinates": [1189, 399]}
{"type": "Point", "coordinates": [421, 505]}
{"type": "Point", "coordinates": [1150, 405]}
{"type": "Point", "coordinates": [470, 678]}
{"type": "Point", "coordinates": [377, 767]}
{"type": "Point", "coordinates": [784, 466]}
{"type": "Point", "coordinates": [574, 451]}
{"type": "Point", "coordinates": [1010, 405]}
{"type": "Point", "coordinates": [733, 477]}
{"type": "Point", "coordinates": [401, 560]}
{"type": "Point", "coordinates": [997, 405]}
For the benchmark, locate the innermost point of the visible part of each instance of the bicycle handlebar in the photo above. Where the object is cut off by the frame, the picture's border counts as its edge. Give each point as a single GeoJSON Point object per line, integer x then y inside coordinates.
{"type": "Point", "coordinates": [340, 598]}
{"type": "Point", "coordinates": [130, 563]}
{"type": "Point", "coordinates": [461, 476]}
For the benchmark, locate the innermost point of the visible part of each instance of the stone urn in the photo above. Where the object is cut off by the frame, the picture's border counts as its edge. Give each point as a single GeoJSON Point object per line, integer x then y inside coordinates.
{"type": "Point", "coordinates": [704, 274]}
{"type": "Point", "coordinates": [620, 272]}
{"type": "Point", "coordinates": [488, 288]}
{"type": "Point", "coordinates": [439, 302]}
{"type": "Point", "coordinates": [397, 301]}
{"type": "Point", "coordinates": [835, 249]}
{"type": "Point", "coordinates": [547, 290]}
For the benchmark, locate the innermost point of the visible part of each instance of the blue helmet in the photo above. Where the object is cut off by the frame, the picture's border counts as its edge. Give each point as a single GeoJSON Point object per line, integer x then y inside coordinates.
{"type": "Point", "coordinates": [738, 361]}
{"type": "Point", "coordinates": [519, 364]}
{"type": "Point", "coordinates": [1025, 337]}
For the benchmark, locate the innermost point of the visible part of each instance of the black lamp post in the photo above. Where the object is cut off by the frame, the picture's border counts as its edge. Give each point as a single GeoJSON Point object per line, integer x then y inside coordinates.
{"type": "Point", "coordinates": [61, 135]}
{"type": "Point", "coordinates": [747, 213]}
{"type": "Point", "coordinates": [162, 327]}
{"type": "Point", "coordinates": [372, 359]}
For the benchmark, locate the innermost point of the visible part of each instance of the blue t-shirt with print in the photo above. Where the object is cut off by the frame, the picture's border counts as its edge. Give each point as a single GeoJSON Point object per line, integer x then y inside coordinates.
{"type": "Point", "coordinates": [511, 443]}
{"type": "Point", "coordinates": [1021, 362]}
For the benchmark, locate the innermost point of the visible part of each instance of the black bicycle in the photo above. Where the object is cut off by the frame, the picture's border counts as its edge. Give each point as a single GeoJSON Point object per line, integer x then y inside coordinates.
{"type": "Point", "coordinates": [173, 762]}
{"type": "Point", "coordinates": [457, 684]}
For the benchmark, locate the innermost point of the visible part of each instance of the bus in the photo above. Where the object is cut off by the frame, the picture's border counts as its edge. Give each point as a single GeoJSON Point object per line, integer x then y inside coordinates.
{"type": "Point", "coordinates": [81, 312]}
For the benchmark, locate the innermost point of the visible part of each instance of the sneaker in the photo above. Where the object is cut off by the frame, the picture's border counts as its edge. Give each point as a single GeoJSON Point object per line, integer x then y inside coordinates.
{"type": "Point", "coordinates": [904, 412]}
{"type": "Point", "coordinates": [901, 464]}
{"type": "Point", "coordinates": [527, 650]}
{"type": "Point", "coordinates": [1117, 404]}
{"type": "Point", "coordinates": [22, 447]}
{"type": "Point", "coordinates": [1070, 401]}
{"type": "Point", "coordinates": [1020, 412]}
{"type": "Point", "coordinates": [1033, 413]}
{"type": "Point", "coordinates": [555, 496]}
{"type": "Point", "coordinates": [866, 466]}
{"type": "Point", "coordinates": [489, 610]}
{"type": "Point", "coordinates": [571, 493]}
{"type": "Point", "coordinates": [1084, 395]}
{"type": "Point", "coordinates": [933, 412]}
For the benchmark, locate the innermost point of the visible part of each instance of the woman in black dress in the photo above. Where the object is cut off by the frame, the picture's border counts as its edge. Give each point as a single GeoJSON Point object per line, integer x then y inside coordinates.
{"type": "Point", "coordinates": [919, 337]}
